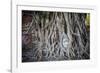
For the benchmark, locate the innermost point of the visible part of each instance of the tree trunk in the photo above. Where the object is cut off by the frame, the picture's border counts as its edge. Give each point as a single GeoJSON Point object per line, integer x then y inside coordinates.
{"type": "Point", "coordinates": [54, 36]}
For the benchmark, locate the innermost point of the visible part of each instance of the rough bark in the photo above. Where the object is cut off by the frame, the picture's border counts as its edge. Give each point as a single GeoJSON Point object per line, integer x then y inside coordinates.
{"type": "Point", "coordinates": [54, 36]}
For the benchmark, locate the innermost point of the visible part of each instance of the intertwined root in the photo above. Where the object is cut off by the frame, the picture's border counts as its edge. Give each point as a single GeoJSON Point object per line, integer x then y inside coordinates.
{"type": "Point", "coordinates": [55, 36]}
